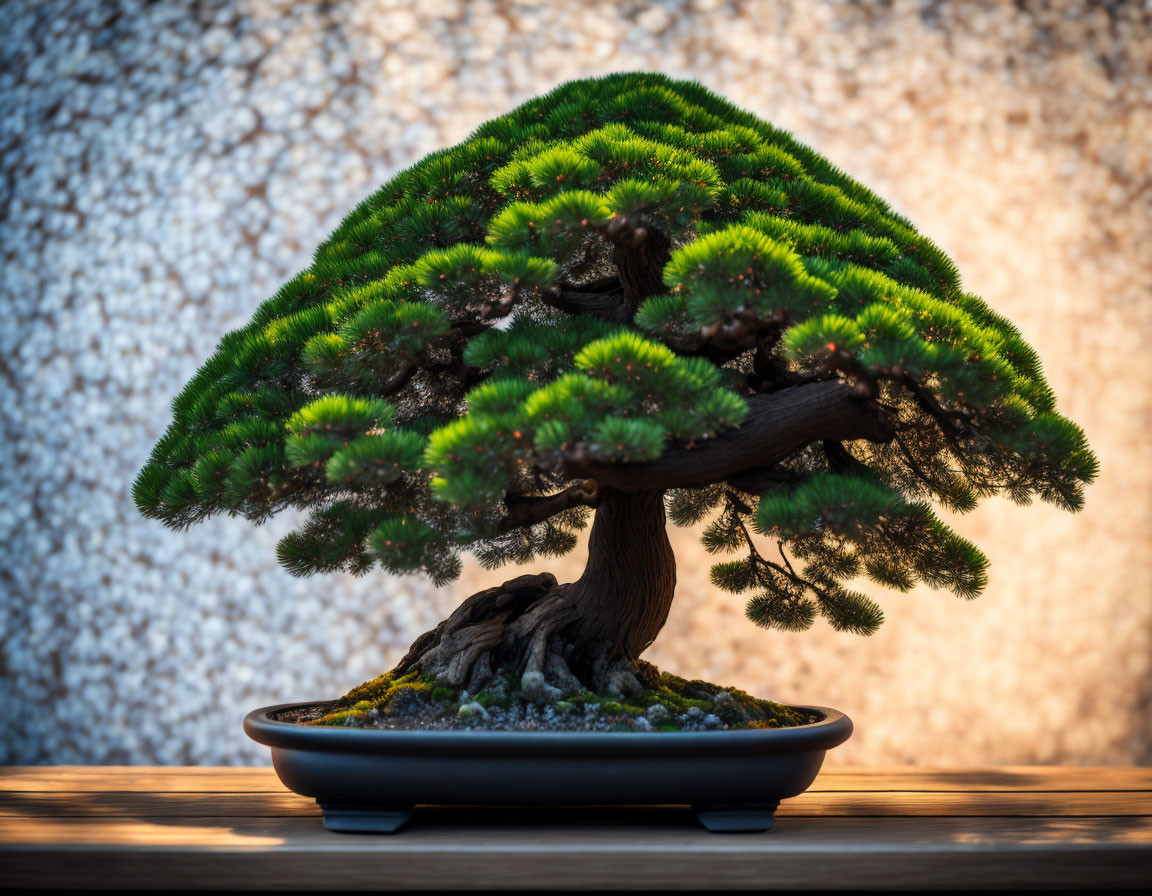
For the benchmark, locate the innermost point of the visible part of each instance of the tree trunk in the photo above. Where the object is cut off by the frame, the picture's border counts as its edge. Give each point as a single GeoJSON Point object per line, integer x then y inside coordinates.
{"type": "Point", "coordinates": [627, 587]}
{"type": "Point", "coordinates": [585, 635]}
{"type": "Point", "coordinates": [641, 270]}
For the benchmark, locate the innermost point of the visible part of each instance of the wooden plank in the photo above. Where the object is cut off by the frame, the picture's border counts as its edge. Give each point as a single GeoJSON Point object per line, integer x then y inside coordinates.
{"type": "Point", "coordinates": [474, 830]}
{"type": "Point", "coordinates": [145, 779]}
{"type": "Point", "coordinates": [448, 852]}
{"type": "Point", "coordinates": [1021, 777]}
{"type": "Point", "coordinates": [42, 804]}
{"type": "Point", "coordinates": [977, 803]}
{"type": "Point", "coordinates": [127, 804]}
{"type": "Point", "coordinates": [168, 779]}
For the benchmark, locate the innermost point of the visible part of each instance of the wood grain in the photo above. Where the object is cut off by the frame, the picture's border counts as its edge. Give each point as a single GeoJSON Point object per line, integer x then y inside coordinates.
{"type": "Point", "coordinates": [238, 828]}
{"type": "Point", "coordinates": [248, 779]}
{"type": "Point", "coordinates": [46, 804]}
{"type": "Point", "coordinates": [297, 853]}
{"type": "Point", "coordinates": [146, 779]}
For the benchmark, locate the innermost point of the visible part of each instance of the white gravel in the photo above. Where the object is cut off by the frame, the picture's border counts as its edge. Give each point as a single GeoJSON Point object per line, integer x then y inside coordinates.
{"type": "Point", "coordinates": [165, 170]}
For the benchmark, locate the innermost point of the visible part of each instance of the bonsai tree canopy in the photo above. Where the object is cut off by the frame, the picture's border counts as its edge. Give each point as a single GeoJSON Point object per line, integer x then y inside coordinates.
{"type": "Point", "coordinates": [624, 300]}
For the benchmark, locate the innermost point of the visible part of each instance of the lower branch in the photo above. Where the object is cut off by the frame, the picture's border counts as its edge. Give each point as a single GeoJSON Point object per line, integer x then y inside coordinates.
{"type": "Point", "coordinates": [776, 426]}
{"type": "Point", "coordinates": [604, 299]}
{"type": "Point", "coordinates": [526, 511]}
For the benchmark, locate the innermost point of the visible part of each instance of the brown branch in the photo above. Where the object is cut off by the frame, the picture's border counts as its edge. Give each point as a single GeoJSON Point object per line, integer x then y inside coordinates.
{"type": "Point", "coordinates": [603, 299]}
{"type": "Point", "coordinates": [741, 331]}
{"type": "Point", "coordinates": [776, 426]}
{"type": "Point", "coordinates": [401, 378]}
{"type": "Point", "coordinates": [494, 307]}
{"type": "Point", "coordinates": [759, 559]}
{"type": "Point", "coordinates": [952, 423]}
{"type": "Point", "coordinates": [527, 511]}
{"type": "Point", "coordinates": [723, 342]}
{"type": "Point", "coordinates": [917, 470]}
{"type": "Point", "coordinates": [840, 459]}
{"type": "Point", "coordinates": [621, 232]}
{"type": "Point", "coordinates": [640, 255]}
{"type": "Point", "coordinates": [759, 479]}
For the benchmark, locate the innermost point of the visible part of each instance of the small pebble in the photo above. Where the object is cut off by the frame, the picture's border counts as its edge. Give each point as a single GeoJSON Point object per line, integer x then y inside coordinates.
{"type": "Point", "coordinates": [534, 688]}
{"type": "Point", "coordinates": [473, 711]}
{"type": "Point", "coordinates": [658, 714]}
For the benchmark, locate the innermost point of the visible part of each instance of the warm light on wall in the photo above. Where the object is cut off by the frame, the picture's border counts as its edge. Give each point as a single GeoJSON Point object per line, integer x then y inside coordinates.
{"type": "Point", "coordinates": [159, 194]}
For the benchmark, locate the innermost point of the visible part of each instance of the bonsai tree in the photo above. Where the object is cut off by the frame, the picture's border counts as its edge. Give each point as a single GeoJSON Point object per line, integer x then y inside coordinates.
{"type": "Point", "coordinates": [624, 302]}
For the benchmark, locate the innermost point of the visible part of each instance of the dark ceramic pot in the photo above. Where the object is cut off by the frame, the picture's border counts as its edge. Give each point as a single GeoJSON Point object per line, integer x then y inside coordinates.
{"type": "Point", "coordinates": [368, 780]}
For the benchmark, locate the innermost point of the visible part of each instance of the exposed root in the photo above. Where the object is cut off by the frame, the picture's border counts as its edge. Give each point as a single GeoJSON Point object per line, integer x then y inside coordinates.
{"type": "Point", "coordinates": [525, 625]}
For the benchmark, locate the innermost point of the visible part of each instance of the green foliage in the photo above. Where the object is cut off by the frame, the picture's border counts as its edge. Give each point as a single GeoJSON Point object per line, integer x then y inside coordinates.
{"type": "Point", "coordinates": [420, 372]}
{"type": "Point", "coordinates": [376, 460]}
{"type": "Point", "coordinates": [536, 350]}
{"type": "Point", "coordinates": [740, 268]}
{"type": "Point", "coordinates": [332, 539]}
{"type": "Point", "coordinates": [372, 349]}
{"type": "Point", "coordinates": [625, 400]}
{"type": "Point", "coordinates": [556, 228]}
{"type": "Point", "coordinates": [473, 458]}
{"type": "Point", "coordinates": [407, 544]}
{"type": "Point", "coordinates": [851, 523]}
{"type": "Point", "coordinates": [320, 428]}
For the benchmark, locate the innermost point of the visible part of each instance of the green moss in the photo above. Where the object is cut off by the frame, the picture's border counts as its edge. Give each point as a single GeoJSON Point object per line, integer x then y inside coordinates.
{"type": "Point", "coordinates": [398, 696]}
{"type": "Point", "coordinates": [380, 693]}
{"type": "Point", "coordinates": [369, 690]}
{"type": "Point", "coordinates": [343, 717]}
{"type": "Point", "coordinates": [488, 700]}
{"type": "Point", "coordinates": [378, 690]}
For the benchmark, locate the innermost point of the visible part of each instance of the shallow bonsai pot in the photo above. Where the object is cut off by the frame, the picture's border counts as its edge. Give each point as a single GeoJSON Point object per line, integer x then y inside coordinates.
{"type": "Point", "coordinates": [368, 780]}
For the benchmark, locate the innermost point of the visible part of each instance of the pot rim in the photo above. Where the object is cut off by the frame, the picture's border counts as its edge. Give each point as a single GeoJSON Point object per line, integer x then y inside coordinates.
{"type": "Point", "coordinates": [831, 731]}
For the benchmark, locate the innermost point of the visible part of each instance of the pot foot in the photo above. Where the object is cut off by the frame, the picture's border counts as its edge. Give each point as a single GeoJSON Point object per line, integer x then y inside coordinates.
{"type": "Point", "coordinates": [349, 818]}
{"type": "Point", "coordinates": [743, 819]}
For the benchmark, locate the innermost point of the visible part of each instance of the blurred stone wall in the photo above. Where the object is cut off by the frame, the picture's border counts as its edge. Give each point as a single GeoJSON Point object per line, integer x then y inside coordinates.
{"type": "Point", "coordinates": [165, 169]}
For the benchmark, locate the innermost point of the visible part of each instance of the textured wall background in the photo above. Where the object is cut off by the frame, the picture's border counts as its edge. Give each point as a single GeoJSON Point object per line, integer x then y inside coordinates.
{"type": "Point", "coordinates": [164, 170]}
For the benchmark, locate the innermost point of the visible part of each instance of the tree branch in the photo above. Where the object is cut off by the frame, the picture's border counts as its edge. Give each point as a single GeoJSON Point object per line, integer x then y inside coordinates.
{"type": "Point", "coordinates": [639, 254]}
{"type": "Point", "coordinates": [527, 511]}
{"type": "Point", "coordinates": [952, 423]}
{"type": "Point", "coordinates": [776, 426]}
{"type": "Point", "coordinates": [760, 479]}
{"type": "Point", "coordinates": [840, 459]}
{"type": "Point", "coordinates": [603, 299]}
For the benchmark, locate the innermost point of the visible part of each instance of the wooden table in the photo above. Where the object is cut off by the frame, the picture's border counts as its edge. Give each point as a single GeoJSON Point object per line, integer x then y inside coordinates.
{"type": "Point", "coordinates": [209, 828]}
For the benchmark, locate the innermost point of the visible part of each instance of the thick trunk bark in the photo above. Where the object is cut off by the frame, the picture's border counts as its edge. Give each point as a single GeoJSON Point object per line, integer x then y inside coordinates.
{"type": "Point", "coordinates": [641, 269]}
{"type": "Point", "coordinates": [627, 587]}
{"type": "Point", "coordinates": [584, 635]}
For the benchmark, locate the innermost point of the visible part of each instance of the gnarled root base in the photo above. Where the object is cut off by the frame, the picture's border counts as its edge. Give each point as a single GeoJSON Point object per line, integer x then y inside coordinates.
{"type": "Point", "coordinates": [528, 624]}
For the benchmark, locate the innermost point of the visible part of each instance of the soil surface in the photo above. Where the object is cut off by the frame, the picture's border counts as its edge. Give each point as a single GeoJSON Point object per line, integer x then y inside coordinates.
{"type": "Point", "coordinates": [507, 703]}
